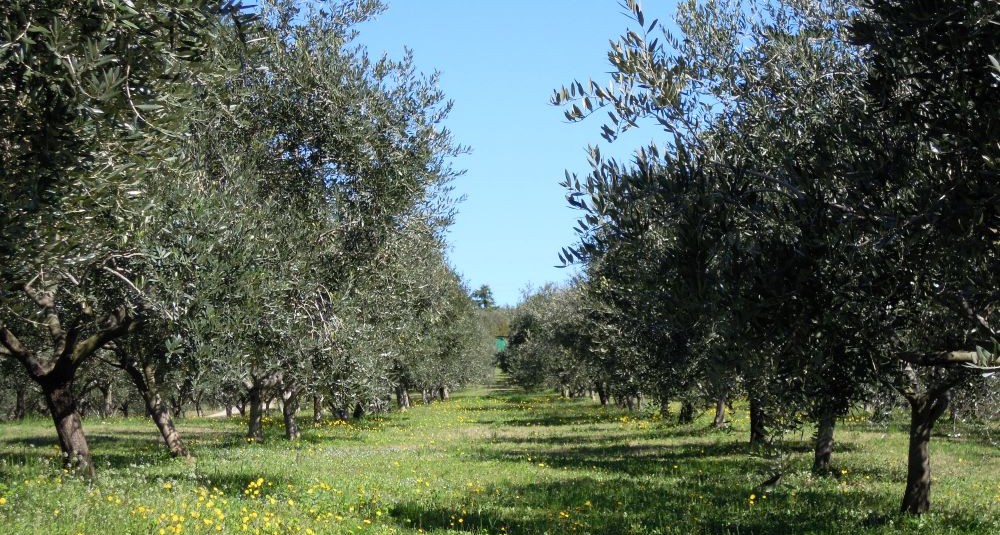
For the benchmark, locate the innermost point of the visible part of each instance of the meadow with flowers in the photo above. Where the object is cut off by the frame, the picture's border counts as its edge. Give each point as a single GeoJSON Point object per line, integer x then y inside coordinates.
{"type": "Point", "coordinates": [488, 461]}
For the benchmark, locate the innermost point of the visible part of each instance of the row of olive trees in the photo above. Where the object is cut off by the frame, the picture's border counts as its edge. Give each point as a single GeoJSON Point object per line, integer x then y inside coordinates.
{"type": "Point", "coordinates": [821, 222]}
{"type": "Point", "coordinates": [221, 205]}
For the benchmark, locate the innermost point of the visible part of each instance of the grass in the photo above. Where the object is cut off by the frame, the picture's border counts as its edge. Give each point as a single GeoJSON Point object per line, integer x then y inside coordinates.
{"type": "Point", "coordinates": [488, 461]}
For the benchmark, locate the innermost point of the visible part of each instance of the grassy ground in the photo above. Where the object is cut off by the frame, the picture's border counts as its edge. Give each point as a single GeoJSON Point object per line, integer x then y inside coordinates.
{"type": "Point", "coordinates": [486, 462]}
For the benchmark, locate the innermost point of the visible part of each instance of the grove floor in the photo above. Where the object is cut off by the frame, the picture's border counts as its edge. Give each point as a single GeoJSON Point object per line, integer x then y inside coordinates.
{"type": "Point", "coordinates": [490, 461]}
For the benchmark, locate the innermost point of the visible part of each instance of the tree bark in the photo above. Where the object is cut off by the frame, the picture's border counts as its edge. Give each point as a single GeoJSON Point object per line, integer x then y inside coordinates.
{"type": "Point", "coordinates": [317, 408]}
{"type": "Point", "coordinates": [402, 397]}
{"type": "Point", "coordinates": [107, 406]}
{"type": "Point", "coordinates": [359, 410]}
{"type": "Point", "coordinates": [62, 405]}
{"type": "Point", "coordinates": [255, 425]}
{"type": "Point", "coordinates": [178, 405]}
{"type": "Point", "coordinates": [289, 407]}
{"type": "Point", "coordinates": [445, 395]}
{"type": "Point", "coordinates": [602, 393]}
{"type": "Point", "coordinates": [824, 442]}
{"type": "Point", "coordinates": [924, 411]}
{"type": "Point", "coordinates": [145, 382]}
{"type": "Point", "coordinates": [720, 412]}
{"type": "Point", "coordinates": [20, 403]}
{"type": "Point", "coordinates": [426, 396]}
{"type": "Point", "coordinates": [758, 433]}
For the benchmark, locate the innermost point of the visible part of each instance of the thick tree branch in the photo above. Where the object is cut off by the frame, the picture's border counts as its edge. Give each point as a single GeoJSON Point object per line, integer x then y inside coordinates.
{"type": "Point", "coordinates": [46, 300]}
{"type": "Point", "coordinates": [945, 359]}
{"type": "Point", "coordinates": [14, 348]}
{"type": "Point", "coordinates": [119, 323]}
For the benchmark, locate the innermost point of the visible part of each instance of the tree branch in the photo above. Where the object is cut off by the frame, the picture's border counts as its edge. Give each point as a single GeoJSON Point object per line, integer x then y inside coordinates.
{"type": "Point", "coordinates": [945, 359]}
{"type": "Point", "coordinates": [119, 323]}
{"type": "Point", "coordinates": [14, 348]}
{"type": "Point", "coordinates": [46, 300]}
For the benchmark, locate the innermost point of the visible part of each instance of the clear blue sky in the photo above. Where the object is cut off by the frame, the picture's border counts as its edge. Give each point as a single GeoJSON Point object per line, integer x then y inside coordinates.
{"type": "Point", "coordinates": [499, 62]}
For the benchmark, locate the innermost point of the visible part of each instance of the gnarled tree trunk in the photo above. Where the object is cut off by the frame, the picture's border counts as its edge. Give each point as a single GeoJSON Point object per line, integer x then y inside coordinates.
{"type": "Point", "coordinates": [317, 408]}
{"type": "Point", "coordinates": [824, 442]}
{"type": "Point", "coordinates": [602, 393]}
{"type": "Point", "coordinates": [720, 412]}
{"type": "Point", "coordinates": [145, 382]}
{"type": "Point", "coordinates": [20, 403]}
{"type": "Point", "coordinates": [62, 405]}
{"type": "Point", "coordinates": [107, 405]}
{"type": "Point", "coordinates": [289, 408]}
{"type": "Point", "coordinates": [55, 375]}
{"type": "Point", "coordinates": [924, 411]}
{"type": "Point", "coordinates": [255, 425]}
{"type": "Point", "coordinates": [402, 397]}
{"type": "Point", "coordinates": [259, 392]}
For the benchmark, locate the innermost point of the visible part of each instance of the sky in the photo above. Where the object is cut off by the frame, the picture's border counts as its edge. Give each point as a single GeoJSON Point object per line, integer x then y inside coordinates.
{"type": "Point", "coordinates": [500, 61]}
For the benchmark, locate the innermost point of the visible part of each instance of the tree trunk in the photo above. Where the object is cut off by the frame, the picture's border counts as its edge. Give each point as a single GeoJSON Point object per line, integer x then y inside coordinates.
{"type": "Point", "coordinates": [107, 407]}
{"type": "Point", "coordinates": [62, 405]}
{"type": "Point", "coordinates": [178, 407]}
{"type": "Point", "coordinates": [445, 395]}
{"type": "Point", "coordinates": [255, 426]}
{"type": "Point", "coordinates": [229, 411]}
{"type": "Point", "coordinates": [758, 434]}
{"type": "Point", "coordinates": [290, 406]}
{"type": "Point", "coordinates": [924, 411]}
{"type": "Point", "coordinates": [824, 442]}
{"type": "Point", "coordinates": [602, 393]}
{"type": "Point", "coordinates": [720, 412]}
{"type": "Point", "coordinates": [686, 415]}
{"type": "Point", "coordinates": [359, 410]}
{"type": "Point", "coordinates": [664, 406]}
{"type": "Point", "coordinates": [20, 403]}
{"type": "Point", "coordinates": [402, 397]}
{"type": "Point", "coordinates": [426, 396]}
{"type": "Point", "coordinates": [317, 408]}
{"type": "Point", "coordinates": [145, 382]}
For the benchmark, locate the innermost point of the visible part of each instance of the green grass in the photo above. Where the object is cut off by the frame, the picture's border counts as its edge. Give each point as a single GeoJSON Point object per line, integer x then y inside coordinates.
{"type": "Point", "coordinates": [487, 462]}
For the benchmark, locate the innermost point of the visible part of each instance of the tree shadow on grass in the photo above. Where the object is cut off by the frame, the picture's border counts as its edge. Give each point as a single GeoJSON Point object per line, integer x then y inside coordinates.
{"type": "Point", "coordinates": [719, 504]}
{"type": "Point", "coordinates": [590, 505]}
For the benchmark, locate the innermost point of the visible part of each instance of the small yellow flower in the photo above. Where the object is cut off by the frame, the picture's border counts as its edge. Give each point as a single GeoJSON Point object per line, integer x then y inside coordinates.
{"type": "Point", "coordinates": [168, 486]}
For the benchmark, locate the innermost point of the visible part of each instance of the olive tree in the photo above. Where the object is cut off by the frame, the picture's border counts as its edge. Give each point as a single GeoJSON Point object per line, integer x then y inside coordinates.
{"type": "Point", "coordinates": [94, 95]}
